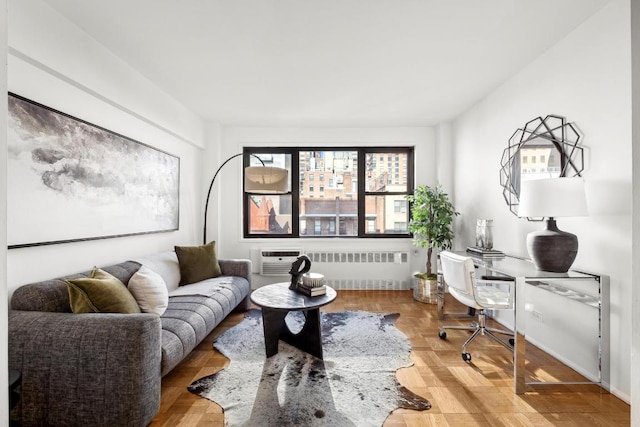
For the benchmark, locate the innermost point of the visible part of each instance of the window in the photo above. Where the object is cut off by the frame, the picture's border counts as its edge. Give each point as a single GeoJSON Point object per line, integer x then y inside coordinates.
{"type": "Point", "coordinates": [366, 197]}
{"type": "Point", "coordinates": [371, 225]}
{"type": "Point", "coordinates": [400, 206]}
{"type": "Point", "coordinates": [400, 227]}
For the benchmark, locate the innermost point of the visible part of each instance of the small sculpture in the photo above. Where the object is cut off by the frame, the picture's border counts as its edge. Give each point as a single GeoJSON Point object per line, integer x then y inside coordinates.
{"type": "Point", "coordinates": [298, 269]}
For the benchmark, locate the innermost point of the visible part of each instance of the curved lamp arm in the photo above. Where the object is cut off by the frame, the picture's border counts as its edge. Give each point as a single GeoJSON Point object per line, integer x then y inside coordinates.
{"type": "Point", "coordinates": [206, 204]}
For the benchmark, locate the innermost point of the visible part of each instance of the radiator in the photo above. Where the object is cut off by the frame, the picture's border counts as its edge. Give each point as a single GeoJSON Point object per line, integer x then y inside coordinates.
{"type": "Point", "coordinates": [363, 270]}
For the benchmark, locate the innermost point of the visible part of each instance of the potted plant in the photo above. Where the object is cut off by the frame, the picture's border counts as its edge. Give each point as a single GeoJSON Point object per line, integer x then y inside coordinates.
{"type": "Point", "coordinates": [431, 219]}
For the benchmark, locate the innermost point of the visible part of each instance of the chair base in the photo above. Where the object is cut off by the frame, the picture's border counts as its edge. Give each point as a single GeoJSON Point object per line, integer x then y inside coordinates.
{"type": "Point", "coordinates": [479, 329]}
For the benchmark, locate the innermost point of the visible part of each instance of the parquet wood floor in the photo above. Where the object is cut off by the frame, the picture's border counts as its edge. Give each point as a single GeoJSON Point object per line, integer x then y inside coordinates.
{"type": "Point", "coordinates": [461, 394]}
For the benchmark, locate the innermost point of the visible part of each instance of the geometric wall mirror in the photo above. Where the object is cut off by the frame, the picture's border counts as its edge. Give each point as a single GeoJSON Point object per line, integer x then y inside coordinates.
{"type": "Point", "coordinates": [543, 148]}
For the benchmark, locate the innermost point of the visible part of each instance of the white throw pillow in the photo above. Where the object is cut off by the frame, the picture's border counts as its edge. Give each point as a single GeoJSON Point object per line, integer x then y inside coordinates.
{"type": "Point", "coordinates": [166, 265]}
{"type": "Point", "coordinates": [149, 290]}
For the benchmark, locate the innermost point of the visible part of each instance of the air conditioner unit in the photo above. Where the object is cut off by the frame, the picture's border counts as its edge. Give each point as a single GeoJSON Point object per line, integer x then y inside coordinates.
{"type": "Point", "coordinates": [277, 262]}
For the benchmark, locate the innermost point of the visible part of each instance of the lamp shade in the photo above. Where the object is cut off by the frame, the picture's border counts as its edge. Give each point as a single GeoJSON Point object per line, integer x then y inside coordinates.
{"type": "Point", "coordinates": [552, 197]}
{"type": "Point", "coordinates": [265, 179]}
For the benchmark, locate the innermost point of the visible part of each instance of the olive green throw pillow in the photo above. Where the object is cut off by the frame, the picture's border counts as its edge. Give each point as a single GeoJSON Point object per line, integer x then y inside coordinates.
{"type": "Point", "coordinates": [100, 293]}
{"type": "Point", "coordinates": [197, 263]}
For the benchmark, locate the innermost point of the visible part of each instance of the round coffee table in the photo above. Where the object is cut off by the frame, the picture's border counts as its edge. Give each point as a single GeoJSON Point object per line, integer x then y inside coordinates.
{"type": "Point", "coordinates": [277, 301]}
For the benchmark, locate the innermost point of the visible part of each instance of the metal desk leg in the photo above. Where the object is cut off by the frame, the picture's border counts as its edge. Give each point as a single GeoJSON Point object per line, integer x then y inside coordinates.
{"type": "Point", "coordinates": [519, 380]}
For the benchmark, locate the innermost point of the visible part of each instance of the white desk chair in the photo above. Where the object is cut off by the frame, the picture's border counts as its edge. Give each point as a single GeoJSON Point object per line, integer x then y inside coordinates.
{"type": "Point", "coordinates": [459, 274]}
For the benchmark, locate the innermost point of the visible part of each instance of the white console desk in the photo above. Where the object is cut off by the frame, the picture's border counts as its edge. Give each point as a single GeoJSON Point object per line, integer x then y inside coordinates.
{"type": "Point", "coordinates": [566, 285]}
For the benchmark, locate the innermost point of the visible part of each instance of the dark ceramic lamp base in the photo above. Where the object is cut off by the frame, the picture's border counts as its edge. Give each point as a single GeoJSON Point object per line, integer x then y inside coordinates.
{"type": "Point", "coordinates": [552, 249]}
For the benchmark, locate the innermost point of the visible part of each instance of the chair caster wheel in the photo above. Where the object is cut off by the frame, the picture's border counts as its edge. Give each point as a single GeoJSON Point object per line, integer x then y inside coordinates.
{"type": "Point", "coordinates": [442, 335]}
{"type": "Point", "coordinates": [466, 357]}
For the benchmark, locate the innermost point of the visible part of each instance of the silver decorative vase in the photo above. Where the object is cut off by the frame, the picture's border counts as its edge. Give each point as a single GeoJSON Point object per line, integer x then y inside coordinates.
{"type": "Point", "coordinates": [484, 233]}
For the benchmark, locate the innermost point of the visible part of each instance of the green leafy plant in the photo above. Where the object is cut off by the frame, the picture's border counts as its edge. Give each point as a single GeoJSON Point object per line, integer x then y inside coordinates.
{"type": "Point", "coordinates": [431, 219]}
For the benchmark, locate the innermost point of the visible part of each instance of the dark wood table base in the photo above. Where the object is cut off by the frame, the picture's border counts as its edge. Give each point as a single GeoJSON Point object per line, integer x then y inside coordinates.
{"type": "Point", "coordinates": [276, 301]}
{"type": "Point", "coordinates": [309, 339]}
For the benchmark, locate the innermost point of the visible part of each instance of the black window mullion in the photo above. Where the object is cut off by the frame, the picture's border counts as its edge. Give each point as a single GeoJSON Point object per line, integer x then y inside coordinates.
{"type": "Point", "coordinates": [245, 196]}
{"type": "Point", "coordinates": [295, 193]}
{"type": "Point", "coordinates": [362, 223]}
{"type": "Point", "coordinates": [410, 180]}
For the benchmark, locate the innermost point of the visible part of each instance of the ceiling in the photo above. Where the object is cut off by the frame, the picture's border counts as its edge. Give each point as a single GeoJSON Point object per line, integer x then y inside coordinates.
{"type": "Point", "coordinates": [328, 62]}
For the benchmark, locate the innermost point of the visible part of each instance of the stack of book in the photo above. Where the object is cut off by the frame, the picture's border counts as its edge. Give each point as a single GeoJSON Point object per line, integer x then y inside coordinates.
{"type": "Point", "coordinates": [312, 291]}
{"type": "Point", "coordinates": [485, 253]}
{"type": "Point", "coordinates": [312, 285]}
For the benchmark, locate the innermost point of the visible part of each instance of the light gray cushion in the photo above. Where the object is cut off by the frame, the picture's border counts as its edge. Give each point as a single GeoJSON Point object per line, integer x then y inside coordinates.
{"type": "Point", "coordinates": [166, 265]}
{"type": "Point", "coordinates": [149, 290]}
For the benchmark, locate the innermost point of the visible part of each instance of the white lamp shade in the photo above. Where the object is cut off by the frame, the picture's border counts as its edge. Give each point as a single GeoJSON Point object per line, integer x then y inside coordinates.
{"type": "Point", "coordinates": [552, 197]}
{"type": "Point", "coordinates": [266, 180]}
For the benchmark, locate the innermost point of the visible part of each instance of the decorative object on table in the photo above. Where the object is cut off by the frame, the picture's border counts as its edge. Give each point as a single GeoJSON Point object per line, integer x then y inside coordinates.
{"type": "Point", "coordinates": [484, 234]}
{"type": "Point", "coordinates": [552, 249]}
{"type": "Point", "coordinates": [543, 148]}
{"type": "Point", "coordinates": [431, 224]}
{"type": "Point", "coordinates": [301, 265]}
{"type": "Point", "coordinates": [312, 285]}
{"type": "Point", "coordinates": [70, 180]}
{"type": "Point", "coordinates": [355, 384]}
{"type": "Point", "coordinates": [257, 180]}
{"type": "Point", "coordinates": [485, 253]}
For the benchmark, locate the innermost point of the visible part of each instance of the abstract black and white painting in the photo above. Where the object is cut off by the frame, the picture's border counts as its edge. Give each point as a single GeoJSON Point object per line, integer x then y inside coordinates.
{"type": "Point", "coordinates": [69, 180]}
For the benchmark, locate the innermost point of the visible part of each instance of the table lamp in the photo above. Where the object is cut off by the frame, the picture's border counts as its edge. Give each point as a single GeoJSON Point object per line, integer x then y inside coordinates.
{"type": "Point", "coordinates": [552, 249]}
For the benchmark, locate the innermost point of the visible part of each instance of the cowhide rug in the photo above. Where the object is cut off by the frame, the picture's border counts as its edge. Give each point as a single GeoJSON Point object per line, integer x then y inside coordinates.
{"type": "Point", "coordinates": [355, 384]}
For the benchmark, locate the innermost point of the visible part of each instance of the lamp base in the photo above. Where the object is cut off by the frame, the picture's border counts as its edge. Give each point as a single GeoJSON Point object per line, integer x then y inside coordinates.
{"type": "Point", "coordinates": [552, 249]}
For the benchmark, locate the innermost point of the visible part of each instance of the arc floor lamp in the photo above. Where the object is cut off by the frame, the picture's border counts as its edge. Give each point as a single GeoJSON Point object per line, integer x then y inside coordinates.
{"type": "Point", "coordinates": [257, 180]}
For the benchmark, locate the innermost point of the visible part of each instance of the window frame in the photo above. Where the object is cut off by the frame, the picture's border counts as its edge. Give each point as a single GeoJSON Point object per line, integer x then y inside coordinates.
{"type": "Point", "coordinates": [362, 194]}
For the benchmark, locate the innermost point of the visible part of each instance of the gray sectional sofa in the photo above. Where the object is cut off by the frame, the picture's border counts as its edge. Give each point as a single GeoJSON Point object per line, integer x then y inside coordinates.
{"type": "Point", "coordinates": [105, 369]}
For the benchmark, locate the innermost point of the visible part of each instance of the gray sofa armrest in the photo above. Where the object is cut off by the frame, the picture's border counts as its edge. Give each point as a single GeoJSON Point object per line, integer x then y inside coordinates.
{"type": "Point", "coordinates": [239, 268]}
{"type": "Point", "coordinates": [236, 267]}
{"type": "Point", "coordinates": [86, 369]}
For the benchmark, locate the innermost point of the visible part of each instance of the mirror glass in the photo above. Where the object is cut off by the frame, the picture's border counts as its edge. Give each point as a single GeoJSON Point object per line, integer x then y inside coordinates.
{"type": "Point", "coordinates": [536, 158]}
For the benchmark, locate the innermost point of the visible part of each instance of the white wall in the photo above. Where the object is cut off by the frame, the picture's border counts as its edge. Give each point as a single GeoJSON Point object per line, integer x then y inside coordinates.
{"type": "Point", "coordinates": [52, 62]}
{"type": "Point", "coordinates": [635, 304]}
{"type": "Point", "coordinates": [227, 191]}
{"type": "Point", "coordinates": [586, 78]}
{"type": "Point", "coordinates": [444, 156]}
{"type": "Point", "coordinates": [4, 380]}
